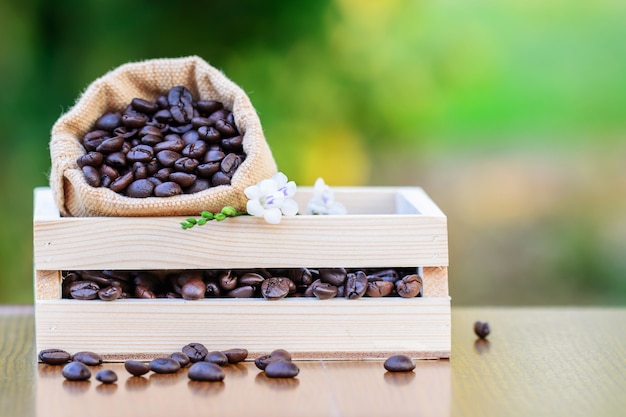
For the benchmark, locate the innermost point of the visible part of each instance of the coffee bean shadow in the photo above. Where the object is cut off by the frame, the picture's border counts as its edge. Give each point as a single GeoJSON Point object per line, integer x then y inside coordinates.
{"type": "Point", "coordinates": [76, 387]}
{"type": "Point", "coordinates": [166, 380]}
{"type": "Point", "coordinates": [399, 378]}
{"type": "Point", "coordinates": [276, 384]}
{"type": "Point", "coordinates": [482, 346]}
{"type": "Point", "coordinates": [49, 371]}
{"type": "Point", "coordinates": [137, 383]}
{"type": "Point", "coordinates": [236, 370]}
{"type": "Point", "coordinates": [106, 389]}
{"type": "Point", "coordinates": [205, 388]}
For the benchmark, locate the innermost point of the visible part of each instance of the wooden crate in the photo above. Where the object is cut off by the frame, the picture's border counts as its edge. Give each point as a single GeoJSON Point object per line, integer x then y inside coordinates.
{"type": "Point", "coordinates": [385, 227]}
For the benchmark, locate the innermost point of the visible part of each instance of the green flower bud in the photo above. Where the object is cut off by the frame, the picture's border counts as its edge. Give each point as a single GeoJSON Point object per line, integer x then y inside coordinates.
{"type": "Point", "coordinates": [219, 216]}
{"type": "Point", "coordinates": [202, 221]}
{"type": "Point", "coordinates": [191, 220]}
{"type": "Point", "coordinates": [229, 211]}
{"type": "Point", "coordinates": [207, 215]}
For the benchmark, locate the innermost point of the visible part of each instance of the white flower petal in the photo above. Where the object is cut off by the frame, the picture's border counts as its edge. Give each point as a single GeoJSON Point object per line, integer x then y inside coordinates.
{"type": "Point", "coordinates": [255, 208]}
{"type": "Point", "coordinates": [252, 192]}
{"type": "Point", "coordinates": [319, 186]}
{"type": "Point", "coordinates": [272, 215]}
{"type": "Point", "coordinates": [289, 190]}
{"type": "Point", "coordinates": [267, 187]}
{"type": "Point", "coordinates": [289, 207]}
{"type": "Point", "coordinates": [280, 179]}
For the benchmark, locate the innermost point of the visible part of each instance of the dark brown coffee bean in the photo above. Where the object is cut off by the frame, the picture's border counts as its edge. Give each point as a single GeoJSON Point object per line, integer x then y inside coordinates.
{"type": "Point", "coordinates": [110, 145]}
{"type": "Point", "coordinates": [251, 279]}
{"type": "Point", "coordinates": [84, 290]}
{"type": "Point", "coordinates": [173, 145]}
{"type": "Point", "coordinates": [134, 120]}
{"type": "Point", "coordinates": [140, 170]}
{"type": "Point", "coordinates": [324, 291]}
{"type": "Point", "coordinates": [143, 292]}
{"type": "Point", "coordinates": [167, 189]}
{"type": "Point", "coordinates": [225, 129]}
{"type": "Point", "coordinates": [163, 174]}
{"type": "Point", "coordinates": [54, 356]}
{"type": "Point", "coordinates": [234, 144]}
{"type": "Point", "coordinates": [109, 121]}
{"type": "Point", "coordinates": [140, 189]}
{"type": "Point", "coordinates": [193, 290]}
{"type": "Point", "coordinates": [88, 358]}
{"type": "Point", "coordinates": [390, 275]}
{"type": "Point", "coordinates": [76, 371]}
{"type": "Point", "coordinates": [186, 164]}
{"type": "Point", "coordinates": [236, 355]}
{"type": "Point", "coordinates": [151, 140]}
{"type": "Point", "coordinates": [276, 355]}
{"type": "Point", "coordinates": [208, 170]}
{"type": "Point", "coordinates": [180, 102]}
{"type": "Point", "coordinates": [94, 138]}
{"type": "Point", "coordinates": [136, 368]}
{"type": "Point", "coordinates": [217, 115]}
{"type": "Point", "coordinates": [199, 121]}
{"type": "Point", "coordinates": [196, 351]}
{"type": "Point", "coordinates": [201, 184]}
{"type": "Point", "coordinates": [209, 106]}
{"type": "Point", "coordinates": [229, 164]}
{"type": "Point", "coordinates": [333, 276]}
{"type": "Point", "coordinates": [141, 153]}
{"type": "Point", "coordinates": [190, 136]}
{"type": "Point", "coordinates": [409, 286]}
{"type": "Point", "coordinates": [93, 159]}
{"type": "Point", "coordinates": [92, 175]}
{"type": "Point", "coordinates": [182, 358]}
{"type": "Point", "coordinates": [209, 134]}
{"type": "Point", "coordinates": [163, 116]}
{"type": "Point", "coordinates": [275, 288]}
{"type": "Point", "coordinates": [110, 293]}
{"type": "Point", "coordinates": [195, 150]}
{"type": "Point", "coordinates": [399, 363]}
{"type": "Point", "coordinates": [281, 369]}
{"type": "Point", "coordinates": [481, 329]}
{"type": "Point", "coordinates": [227, 280]}
{"type": "Point", "coordinates": [122, 182]}
{"type": "Point", "coordinates": [217, 357]}
{"type": "Point", "coordinates": [106, 376]}
{"type": "Point", "coordinates": [164, 365]}
{"type": "Point", "coordinates": [150, 130]}
{"type": "Point", "coordinates": [116, 159]}
{"type": "Point", "coordinates": [182, 178]}
{"type": "Point", "coordinates": [219, 178]}
{"type": "Point", "coordinates": [144, 106]}
{"type": "Point", "coordinates": [206, 371]}
{"type": "Point", "coordinates": [356, 285]}
{"type": "Point", "coordinates": [245, 291]}
{"type": "Point", "coordinates": [379, 288]}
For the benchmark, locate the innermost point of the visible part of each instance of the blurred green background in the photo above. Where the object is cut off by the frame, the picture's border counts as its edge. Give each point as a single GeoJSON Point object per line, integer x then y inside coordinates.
{"type": "Point", "coordinates": [512, 116]}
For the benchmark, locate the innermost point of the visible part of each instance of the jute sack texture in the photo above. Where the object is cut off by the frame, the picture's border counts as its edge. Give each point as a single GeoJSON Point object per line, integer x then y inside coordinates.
{"type": "Point", "coordinates": [148, 80]}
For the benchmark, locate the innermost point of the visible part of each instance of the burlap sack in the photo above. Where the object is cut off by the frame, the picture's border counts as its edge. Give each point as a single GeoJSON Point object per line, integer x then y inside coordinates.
{"type": "Point", "coordinates": [147, 80]}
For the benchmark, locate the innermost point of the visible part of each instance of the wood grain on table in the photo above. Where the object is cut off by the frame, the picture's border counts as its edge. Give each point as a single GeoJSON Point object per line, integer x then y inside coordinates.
{"type": "Point", "coordinates": [536, 362]}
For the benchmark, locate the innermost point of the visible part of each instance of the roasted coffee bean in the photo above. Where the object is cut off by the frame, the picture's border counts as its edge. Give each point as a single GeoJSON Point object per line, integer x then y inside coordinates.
{"type": "Point", "coordinates": [206, 371]}
{"type": "Point", "coordinates": [182, 178]}
{"type": "Point", "coordinates": [164, 365]}
{"type": "Point", "coordinates": [409, 286]}
{"type": "Point", "coordinates": [181, 358]}
{"type": "Point", "coordinates": [140, 189]}
{"type": "Point", "coordinates": [208, 170]}
{"type": "Point", "coordinates": [333, 276]}
{"type": "Point", "coordinates": [399, 363]}
{"type": "Point", "coordinates": [276, 355]}
{"type": "Point", "coordinates": [109, 121]}
{"type": "Point", "coordinates": [199, 122]}
{"type": "Point", "coordinates": [95, 276]}
{"type": "Point", "coordinates": [121, 183]}
{"type": "Point", "coordinates": [190, 136]}
{"type": "Point", "coordinates": [140, 153]}
{"type": "Point", "coordinates": [227, 280]}
{"type": "Point", "coordinates": [167, 158]}
{"type": "Point", "coordinates": [54, 356]}
{"type": "Point", "coordinates": [186, 164]}
{"type": "Point", "coordinates": [180, 102]}
{"type": "Point", "coordinates": [88, 358]}
{"type": "Point", "coordinates": [150, 130]}
{"type": "Point", "coordinates": [324, 291]}
{"type": "Point", "coordinates": [110, 293]}
{"type": "Point", "coordinates": [193, 290]}
{"type": "Point", "coordinates": [110, 145]}
{"type": "Point", "coordinates": [379, 288]}
{"type": "Point", "coordinates": [246, 291]}
{"type": "Point", "coordinates": [356, 285]}
{"type": "Point", "coordinates": [384, 275]}
{"type": "Point", "coordinates": [116, 159]}
{"type": "Point", "coordinates": [218, 114]}
{"type": "Point", "coordinates": [217, 357]}
{"type": "Point", "coordinates": [481, 329]}
{"type": "Point", "coordinates": [84, 290]}
{"type": "Point", "coordinates": [92, 175]}
{"type": "Point", "coordinates": [76, 371]}
{"type": "Point", "coordinates": [201, 184]}
{"type": "Point", "coordinates": [136, 368]}
{"type": "Point", "coordinates": [225, 128]}
{"type": "Point", "coordinates": [94, 138]}
{"type": "Point", "coordinates": [234, 144]}
{"type": "Point", "coordinates": [251, 279]}
{"type": "Point", "coordinates": [167, 189]}
{"type": "Point", "coordinates": [106, 376]}
{"type": "Point", "coordinates": [144, 106]}
{"type": "Point", "coordinates": [213, 290]}
{"type": "Point", "coordinates": [151, 140]}
{"type": "Point", "coordinates": [140, 170]}
{"type": "Point", "coordinates": [143, 292]}
{"type": "Point", "coordinates": [281, 369]}
{"type": "Point", "coordinates": [209, 134]}
{"type": "Point", "coordinates": [229, 164]}
{"type": "Point", "coordinates": [134, 120]}
{"type": "Point", "coordinates": [219, 178]}
{"type": "Point", "coordinates": [92, 158]}
{"type": "Point", "coordinates": [209, 106]}
{"type": "Point", "coordinates": [236, 355]}
{"type": "Point", "coordinates": [275, 288]}
{"type": "Point", "coordinates": [171, 143]}
{"type": "Point", "coordinates": [195, 150]}
{"type": "Point", "coordinates": [196, 351]}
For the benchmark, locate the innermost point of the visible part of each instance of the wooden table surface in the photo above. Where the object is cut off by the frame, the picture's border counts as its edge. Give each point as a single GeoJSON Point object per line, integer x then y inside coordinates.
{"type": "Point", "coordinates": [537, 362]}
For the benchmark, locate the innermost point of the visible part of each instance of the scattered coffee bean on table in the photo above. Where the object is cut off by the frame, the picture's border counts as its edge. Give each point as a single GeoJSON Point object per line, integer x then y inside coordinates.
{"type": "Point", "coordinates": [236, 355]}
{"type": "Point", "coordinates": [481, 329]}
{"type": "Point", "coordinates": [88, 358]}
{"type": "Point", "coordinates": [206, 371]}
{"type": "Point", "coordinates": [173, 145]}
{"type": "Point", "coordinates": [76, 371]}
{"type": "Point", "coordinates": [275, 356]}
{"type": "Point", "coordinates": [216, 357]}
{"type": "Point", "coordinates": [399, 363]}
{"type": "Point", "coordinates": [281, 369]}
{"type": "Point", "coordinates": [136, 368]}
{"type": "Point", "coordinates": [181, 358]}
{"type": "Point", "coordinates": [164, 365]}
{"type": "Point", "coordinates": [106, 376]}
{"type": "Point", "coordinates": [195, 351]}
{"type": "Point", "coordinates": [54, 356]}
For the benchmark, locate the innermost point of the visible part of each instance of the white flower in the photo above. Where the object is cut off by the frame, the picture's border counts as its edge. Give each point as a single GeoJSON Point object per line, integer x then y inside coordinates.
{"type": "Point", "coordinates": [272, 198]}
{"type": "Point", "coordinates": [323, 201]}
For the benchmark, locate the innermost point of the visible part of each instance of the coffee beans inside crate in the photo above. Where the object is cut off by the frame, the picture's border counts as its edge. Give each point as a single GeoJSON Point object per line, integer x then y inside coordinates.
{"type": "Point", "coordinates": [163, 148]}
{"type": "Point", "coordinates": [272, 284]}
